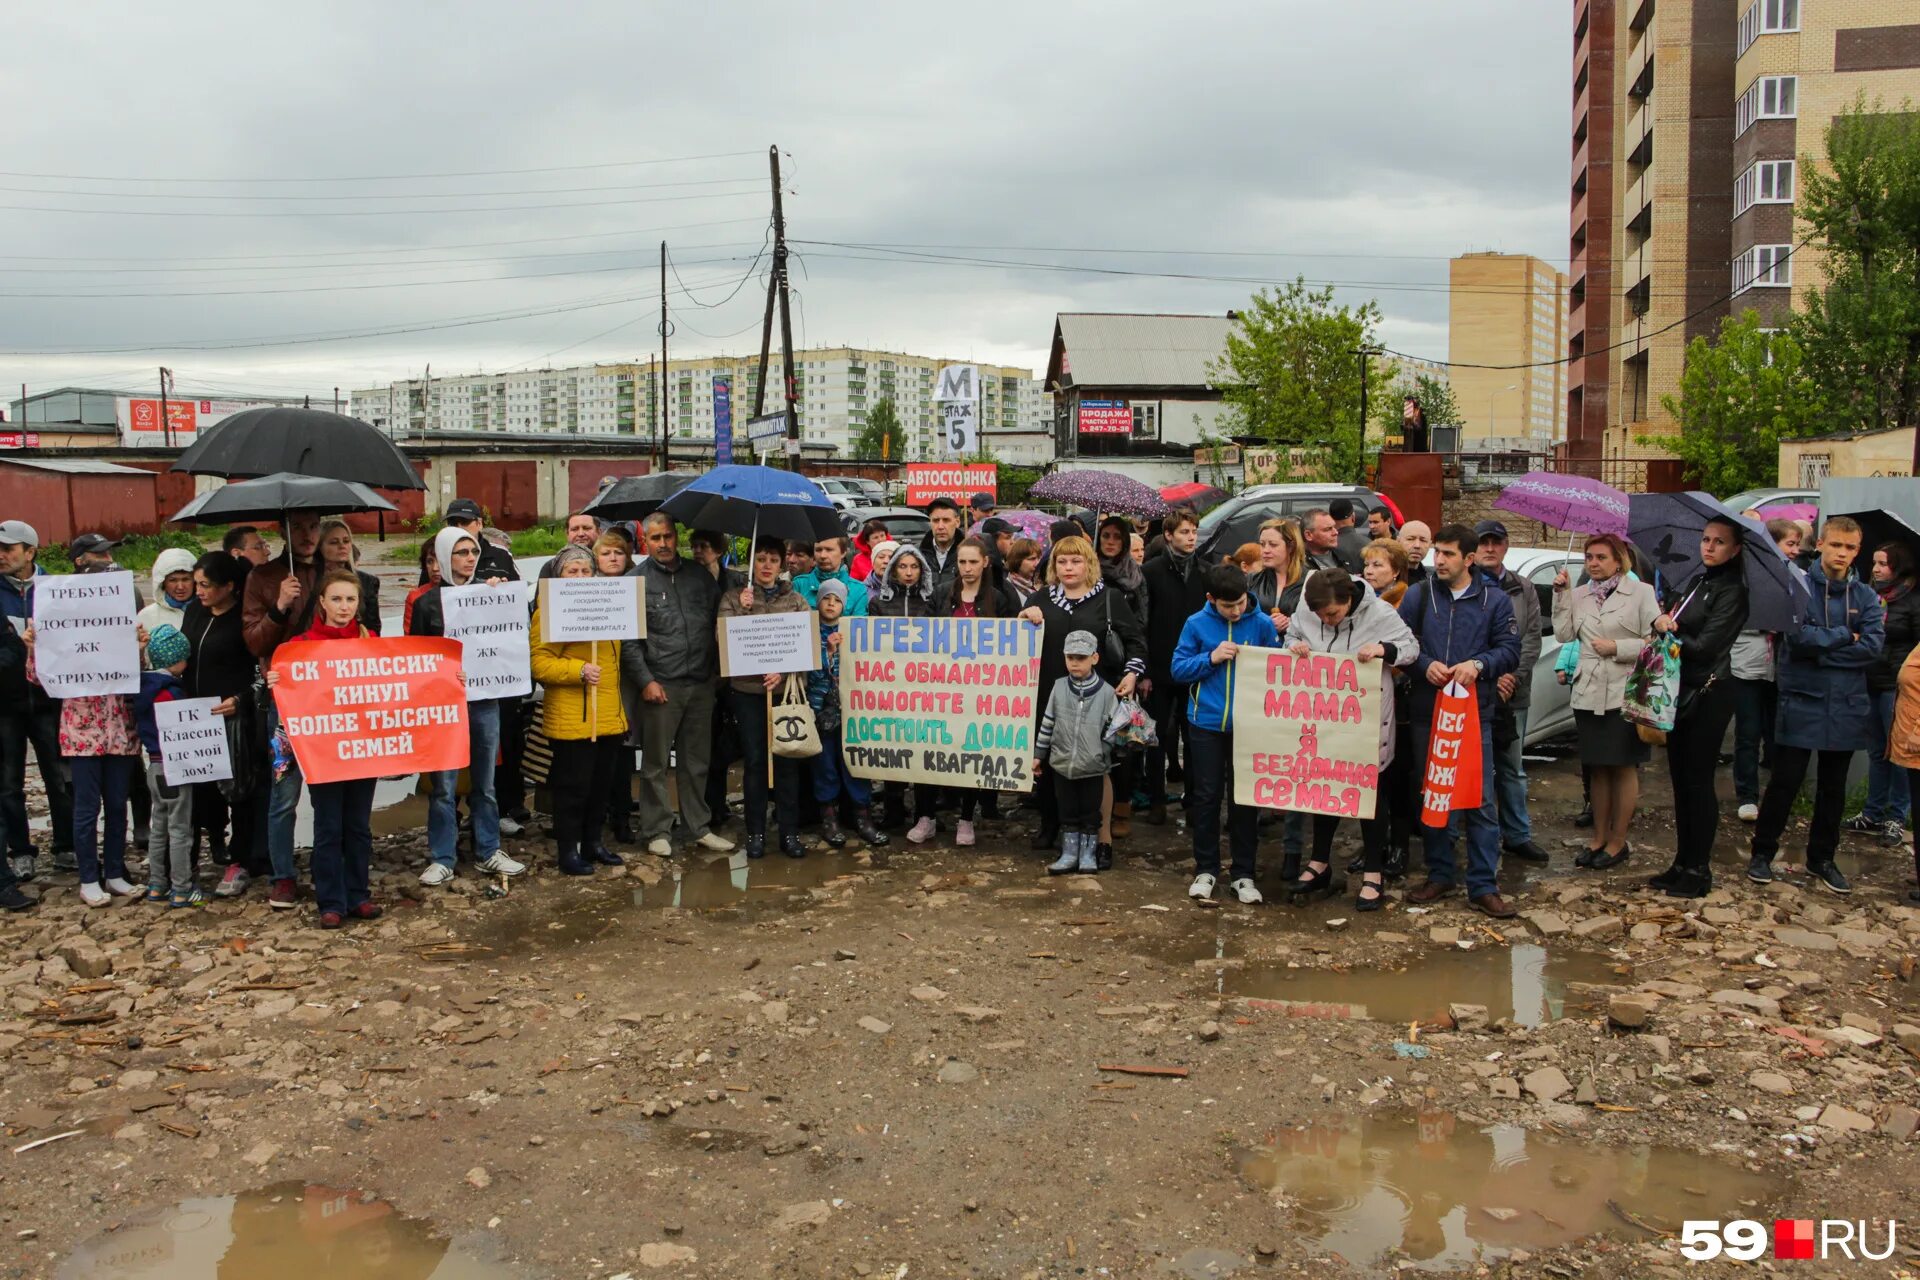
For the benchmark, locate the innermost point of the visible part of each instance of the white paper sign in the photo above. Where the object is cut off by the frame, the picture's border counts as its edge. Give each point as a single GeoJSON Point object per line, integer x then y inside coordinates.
{"type": "Point", "coordinates": [492, 627]}
{"type": "Point", "coordinates": [84, 642]}
{"type": "Point", "coordinates": [960, 426]}
{"type": "Point", "coordinates": [193, 742]}
{"type": "Point", "coordinates": [764, 642]}
{"type": "Point", "coordinates": [591, 609]}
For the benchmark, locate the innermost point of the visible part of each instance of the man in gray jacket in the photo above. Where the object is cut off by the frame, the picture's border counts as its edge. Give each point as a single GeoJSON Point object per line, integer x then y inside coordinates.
{"type": "Point", "coordinates": [679, 662]}
{"type": "Point", "coordinates": [1515, 691]}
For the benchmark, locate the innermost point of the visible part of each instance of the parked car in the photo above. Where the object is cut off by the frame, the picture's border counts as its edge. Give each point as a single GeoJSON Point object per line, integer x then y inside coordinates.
{"type": "Point", "coordinates": [845, 493]}
{"type": "Point", "coordinates": [1771, 496]}
{"type": "Point", "coordinates": [1237, 520]}
{"type": "Point", "coordinates": [903, 523]}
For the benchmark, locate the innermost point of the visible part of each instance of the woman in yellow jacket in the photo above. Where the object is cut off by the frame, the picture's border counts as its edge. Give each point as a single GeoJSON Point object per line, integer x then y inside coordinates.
{"type": "Point", "coordinates": [1903, 744]}
{"type": "Point", "coordinates": [587, 725]}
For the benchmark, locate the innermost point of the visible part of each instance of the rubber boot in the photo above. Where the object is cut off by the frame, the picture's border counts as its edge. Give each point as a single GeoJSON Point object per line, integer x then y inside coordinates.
{"type": "Point", "coordinates": [830, 829]}
{"type": "Point", "coordinates": [864, 828]}
{"type": "Point", "coordinates": [1089, 855]}
{"type": "Point", "coordinates": [1069, 859]}
{"type": "Point", "coordinates": [597, 852]}
{"type": "Point", "coordinates": [571, 863]}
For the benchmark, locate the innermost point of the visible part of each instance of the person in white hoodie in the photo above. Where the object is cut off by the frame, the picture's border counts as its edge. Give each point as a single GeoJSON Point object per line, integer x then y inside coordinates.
{"type": "Point", "coordinates": [172, 589]}
{"type": "Point", "coordinates": [1341, 614]}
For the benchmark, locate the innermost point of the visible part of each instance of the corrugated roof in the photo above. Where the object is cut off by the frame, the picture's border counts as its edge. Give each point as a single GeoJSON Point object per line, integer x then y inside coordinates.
{"type": "Point", "coordinates": [1106, 350]}
{"type": "Point", "coordinates": [77, 466]}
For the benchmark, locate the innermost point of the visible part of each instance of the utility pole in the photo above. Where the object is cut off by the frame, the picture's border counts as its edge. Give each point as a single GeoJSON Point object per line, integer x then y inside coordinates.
{"type": "Point", "coordinates": [1366, 355]}
{"type": "Point", "coordinates": [657, 392]}
{"type": "Point", "coordinates": [786, 314]}
{"type": "Point", "coordinates": [336, 399]}
{"type": "Point", "coordinates": [657, 463]}
{"type": "Point", "coordinates": [166, 420]}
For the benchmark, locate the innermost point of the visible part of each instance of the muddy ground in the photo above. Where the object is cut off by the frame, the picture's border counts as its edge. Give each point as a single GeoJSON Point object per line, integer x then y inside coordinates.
{"type": "Point", "coordinates": [900, 1063]}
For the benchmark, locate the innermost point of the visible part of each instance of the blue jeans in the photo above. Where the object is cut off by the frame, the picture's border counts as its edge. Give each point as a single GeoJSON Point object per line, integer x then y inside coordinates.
{"type": "Point", "coordinates": [1209, 756]}
{"type": "Point", "coordinates": [1887, 797]}
{"type": "Point", "coordinates": [342, 843]}
{"type": "Point", "coordinates": [830, 774]}
{"type": "Point", "coordinates": [1510, 783]}
{"type": "Point", "coordinates": [1753, 709]}
{"type": "Point", "coordinates": [1482, 826]}
{"type": "Point", "coordinates": [101, 782]}
{"type": "Point", "coordinates": [443, 816]}
{"type": "Point", "coordinates": [281, 808]}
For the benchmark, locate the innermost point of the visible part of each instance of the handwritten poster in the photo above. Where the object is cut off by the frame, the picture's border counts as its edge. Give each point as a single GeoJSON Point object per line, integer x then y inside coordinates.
{"type": "Point", "coordinates": [372, 708]}
{"type": "Point", "coordinates": [762, 643]}
{"type": "Point", "coordinates": [950, 701]}
{"type": "Point", "coordinates": [1306, 732]}
{"type": "Point", "coordinates": [193, 741]}
{"type": "Point", "coordinates": [592, 609]}
{"type": "Point", "coordinates": [492, 627]}
{"type": "Point", "coordinates": [84, 638]}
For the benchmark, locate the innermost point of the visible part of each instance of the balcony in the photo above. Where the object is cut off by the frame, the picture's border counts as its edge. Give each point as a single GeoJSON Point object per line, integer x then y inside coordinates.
{"type": "Point", "coordinates": [1642, 153]}
{"type": "Point", "coordinates": [1642, 15]}
{"type": "Point", "coordinates": [1642, 84]}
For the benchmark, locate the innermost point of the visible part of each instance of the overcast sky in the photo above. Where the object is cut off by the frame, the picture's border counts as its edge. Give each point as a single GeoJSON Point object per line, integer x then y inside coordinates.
{"type": "Point", "coordinates": [1363, 143]}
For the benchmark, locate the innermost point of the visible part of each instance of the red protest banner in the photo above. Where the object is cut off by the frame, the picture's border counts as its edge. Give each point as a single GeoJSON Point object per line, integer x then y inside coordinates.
{"type": "Point", "coordinates": [1453, 757]}
{"type": "Point", "coordinates": [957, 480]}
{"type": "Point", "coordinates": [372, 708]}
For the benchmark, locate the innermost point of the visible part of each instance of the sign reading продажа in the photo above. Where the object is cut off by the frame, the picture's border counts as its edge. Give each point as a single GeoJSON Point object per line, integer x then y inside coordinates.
{"type": "Point", "coordinates": [372, 708]}
{"type": "Point", "coordinates": [950, 701]}
{"type": "Point", "coordinates": [1306, 732]}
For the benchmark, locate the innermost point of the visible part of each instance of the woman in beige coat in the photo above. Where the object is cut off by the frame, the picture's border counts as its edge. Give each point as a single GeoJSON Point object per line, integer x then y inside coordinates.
{"type": "Point", "coordinates": [1610, 614]}
{"type": "Point", "coordinates": [1903, 745]}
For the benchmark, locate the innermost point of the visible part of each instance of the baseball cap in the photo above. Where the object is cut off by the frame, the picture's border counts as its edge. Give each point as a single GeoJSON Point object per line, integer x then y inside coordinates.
{"type": "Point", "coordinates": [995, 525]}
{"type": "Point", "coordinates": [464, 509]}
{"type": "Point", "coordinates": [1489, 529]}
{"type": "Point", "coordinates": [982, 501]}
{"type": "Point", "coordinates": [1080, 644]}
{"type": "Point", "coordinates": [88, 544]}
{"type": "Point", "coordinates": [18, 533]}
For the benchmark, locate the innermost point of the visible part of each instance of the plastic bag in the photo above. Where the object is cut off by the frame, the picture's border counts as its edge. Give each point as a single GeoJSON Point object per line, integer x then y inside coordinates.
{"type": "Point", "coordinates": [1130, 728]}
{"type": "Point", "coordinates": [1653, 686]}
{"type": "Point", "coordinates": [1454, 767]}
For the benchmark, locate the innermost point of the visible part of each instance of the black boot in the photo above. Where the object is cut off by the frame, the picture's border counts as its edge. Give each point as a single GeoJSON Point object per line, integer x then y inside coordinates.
{"type": "Point", "coordinates": [1045, 837]}
{"type": "Point", "coordinates": [830, 829]}
{"type": "Point", "coordinates": [864, 828]}
{"type": "Point", "coordinates": [622, 829]}
{"type": "Point", "coordinates": [1396, 864]}
{"type": "Point", "coordinates": [1289, 868]}
{"type": "Point", "coordinates": [791, 846]}
{"type": "Point", "coordinates": [571, 863]}
{"type": "Point", "coordinates": [597, 852]}
{"type": "Point", "coordinates": [1103, 857]}
{"type": "Point", "coordinates": [217, 848]}
{"type": "Point", "coordinates": [757, 846]}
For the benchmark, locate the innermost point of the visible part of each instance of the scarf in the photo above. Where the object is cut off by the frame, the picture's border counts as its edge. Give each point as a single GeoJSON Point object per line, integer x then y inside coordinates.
{"type": "Point", "coordinates": [1180, 564]}
{"type": "Point", "coordinates": [1601, 588]}
{"type": "Point", "coordinates": [1058, 594]}
{"type": "Point", "coordinates": [321, 631]}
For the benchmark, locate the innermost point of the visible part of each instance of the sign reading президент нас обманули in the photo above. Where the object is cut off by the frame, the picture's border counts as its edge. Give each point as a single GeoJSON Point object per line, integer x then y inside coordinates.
{"type": "Point", "coordinates": [1306, 732]}
{"type": "Point", "coordinates": [948, 701]}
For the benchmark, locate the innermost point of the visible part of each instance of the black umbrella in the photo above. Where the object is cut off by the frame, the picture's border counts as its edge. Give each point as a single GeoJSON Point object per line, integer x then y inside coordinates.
{"type": "Point", "coordinates": [636, 497]}
{"type": "Point", "coordinates": [1877, 529]}
{"type": "Point", "coordinates": [271, 497]}
{"type": "Point", "coordinates": [1666, 529]}
{"type": "Point", "coordinates": [307, 442]}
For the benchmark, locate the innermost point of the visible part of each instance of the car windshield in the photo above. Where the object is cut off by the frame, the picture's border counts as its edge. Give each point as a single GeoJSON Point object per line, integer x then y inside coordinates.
{"type": "Point", "coordinates": [1211, 520]}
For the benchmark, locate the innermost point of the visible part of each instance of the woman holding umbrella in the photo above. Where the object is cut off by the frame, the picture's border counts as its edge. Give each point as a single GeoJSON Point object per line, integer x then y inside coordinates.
{"type": "Point", "coordinates": [1707, 612]}
{"type": "Point", "coordinates": [1077, 598]}
{"type": "Point", "coordinates": [765, 593]}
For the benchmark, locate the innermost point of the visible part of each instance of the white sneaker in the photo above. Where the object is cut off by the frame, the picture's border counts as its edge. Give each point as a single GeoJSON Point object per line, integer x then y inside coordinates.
{"type": "Point", "coordinates": [233, 883]}
{"type": "Point", "coordinates": [120, 888]}
{"type": "Point", "coordinates": [501, 865]}
{"type": "Point", "coordinates": [436, 874]}
{"type": "Point", "coordinates": [508, 827]}
{"type": "Point", "coordinates": [94, 896]}
{"type": "Point", "coordinates": [1749, 813]}
{"type": "Point", "coordinates": [717, 843]}
{"type": "Point", "coordinates": [1202, 886]}
{"type": "Point", "coordinates": [922, 831]}
{"type": "Point", "coordinates": [1246, 891]}
{"type": "Point", "coordinates": [660, 847]}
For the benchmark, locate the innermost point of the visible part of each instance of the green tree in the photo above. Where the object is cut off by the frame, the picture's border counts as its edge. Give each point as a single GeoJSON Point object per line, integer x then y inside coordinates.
{"type": "Point", "coordinates": [1291, 373]}
{"type": "Point", "coordinates": [882, 433]}
{"type": "Point", "coordinates": [1861, 334]}
{"type": "Point", "coordinates": [1435, 397]}
{"type": "Point", "coordinates": [1740, 396]}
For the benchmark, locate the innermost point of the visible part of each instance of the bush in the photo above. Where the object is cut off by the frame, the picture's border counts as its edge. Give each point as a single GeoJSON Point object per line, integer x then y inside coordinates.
{"type": "Point", "coordinates": [541, 540]}
{"type": "Point", "coordinates": [140, 551]}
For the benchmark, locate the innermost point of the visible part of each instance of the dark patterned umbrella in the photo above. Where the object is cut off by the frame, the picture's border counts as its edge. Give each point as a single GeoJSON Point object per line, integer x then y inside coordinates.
{"type": "Point", "coordinates": [1104, 491]}
{"type": "Point", "coordinates": [1026, 524]}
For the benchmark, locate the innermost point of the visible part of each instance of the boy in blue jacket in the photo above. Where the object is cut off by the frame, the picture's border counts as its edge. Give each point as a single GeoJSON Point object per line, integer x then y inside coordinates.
{"type": "Point", "coordinates": [170, 830]}
{"type": "Point", "coordinates": [1203, 660]}
{"type": "Point", "coordinates": [1467, 634]}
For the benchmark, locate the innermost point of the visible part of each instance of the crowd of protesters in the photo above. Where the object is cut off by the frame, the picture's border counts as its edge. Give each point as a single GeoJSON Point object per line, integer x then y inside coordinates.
{"type": "Point", "coordinates": [637, 737]}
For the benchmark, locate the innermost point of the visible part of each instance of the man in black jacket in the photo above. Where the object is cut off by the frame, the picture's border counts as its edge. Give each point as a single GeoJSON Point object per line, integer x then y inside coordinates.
{"type": "Point", "coordinates": [495, 562]}
{"type": "Point", "coordinates": [1176, 590]}
{"type": "Point", "coordinates": [942, 540]}
{"type": "Point", "coordinates": [679, 664]}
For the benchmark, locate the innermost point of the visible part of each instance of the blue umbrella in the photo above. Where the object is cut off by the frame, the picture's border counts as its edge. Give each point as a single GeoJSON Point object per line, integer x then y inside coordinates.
{"type": "Point", "coordinates": [756, 500]}
{"type": "Point", "coordinates": [1666, 528]}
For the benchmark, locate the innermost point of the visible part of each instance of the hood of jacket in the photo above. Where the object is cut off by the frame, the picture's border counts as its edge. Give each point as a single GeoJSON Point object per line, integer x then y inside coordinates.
{"type": "Point", "coordinates": [1371, 621]}
{"type": "Point", "coordinates": [443, 544]}
{"type": "Point", "coordinates": [922, 590]}
{"type": "Point", "coordinates": [171, 560]}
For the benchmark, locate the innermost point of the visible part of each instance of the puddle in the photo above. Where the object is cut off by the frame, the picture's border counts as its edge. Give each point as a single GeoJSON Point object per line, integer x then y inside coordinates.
{"type": "Point", "coordinates": [1523, 982]}
{"type": "Point", "coordinates": [1444, 1192]}
{"type": "Point", "coordinates": [396, 809]}
{"type": "Point", "coordinates": [289, 1231]}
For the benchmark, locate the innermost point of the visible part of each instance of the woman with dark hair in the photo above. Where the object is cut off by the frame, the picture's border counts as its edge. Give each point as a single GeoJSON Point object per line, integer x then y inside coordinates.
{"type": "Point", "coordinates": [1118, 566]}
{"type": "Point", "coordinates": [219, 665]}
{"type": "Point", "coordinates": [766, 592]}
{"type": "Point", "coordinates": [1022, 556]}
{"type": "Point", "coordinates": [429, 579]}
{"type": "Point", "coordinates": [1609, 617]}
{"type": "Point", "coordinates": [1887, 794]}
{"type": "Point", "coordinates": [971, 594]}
{"type": "Point", "coordinates": [1707, 612]}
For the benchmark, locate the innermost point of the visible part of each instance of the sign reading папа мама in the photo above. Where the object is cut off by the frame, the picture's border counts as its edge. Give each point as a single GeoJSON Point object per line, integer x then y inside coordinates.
{"type": "Point", "coordinates": [948, 701]}
{"type": "Point", "coordinates": [1306, 732]}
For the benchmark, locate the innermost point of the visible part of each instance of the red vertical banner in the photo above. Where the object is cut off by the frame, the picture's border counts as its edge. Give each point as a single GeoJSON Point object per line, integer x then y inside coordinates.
{"type": "Point", "coordinates": [1453, 756]}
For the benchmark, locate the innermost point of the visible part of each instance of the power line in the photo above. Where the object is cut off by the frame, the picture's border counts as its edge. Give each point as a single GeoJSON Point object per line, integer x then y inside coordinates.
{"type": "Point", "coordinates": [709, 306]}
{"type": "Point", "coordinates": [369, 195]}
{"type": "Point", "coordinates": [371, 213]}
{"type": "Point", "coordinates": [396, 177]}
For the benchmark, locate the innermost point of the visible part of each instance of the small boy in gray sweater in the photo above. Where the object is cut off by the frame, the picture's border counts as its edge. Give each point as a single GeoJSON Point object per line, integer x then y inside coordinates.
{"type": "Point", "coordinates": [1073, 743]}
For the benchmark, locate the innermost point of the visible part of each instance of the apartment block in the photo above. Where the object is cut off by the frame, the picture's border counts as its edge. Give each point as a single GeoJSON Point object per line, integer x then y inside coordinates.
{"type": "Point", "coordinates": [1507, 309]}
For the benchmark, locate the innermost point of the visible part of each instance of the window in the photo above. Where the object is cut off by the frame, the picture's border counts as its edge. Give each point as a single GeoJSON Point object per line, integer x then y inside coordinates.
{"type": "Point", "coordinates": [1767, 17]}
{"type": "Point", "coordinates": [1763, 266]}
{"type": "Point", "coordinates": [1764, 182]}
{"type": "Point", "coordinates": [1767, 98]}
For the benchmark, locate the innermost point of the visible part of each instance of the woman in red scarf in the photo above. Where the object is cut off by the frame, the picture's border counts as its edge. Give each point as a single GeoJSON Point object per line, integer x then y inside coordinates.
{"type": "Point", "coordinates": [342, 811]}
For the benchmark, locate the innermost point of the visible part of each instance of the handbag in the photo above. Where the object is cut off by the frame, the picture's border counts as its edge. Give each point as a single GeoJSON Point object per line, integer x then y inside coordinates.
{"type": "Point", "coordinates": [536, 762]}
{"type": "Point", "coordinates": [1653, 687]}
{"type": "Point", "coordinates": [1112, 652]}
{"type": "Point", "coordinates": [795, 735]}
{"type": "Point", "coordinates": [246, 745]}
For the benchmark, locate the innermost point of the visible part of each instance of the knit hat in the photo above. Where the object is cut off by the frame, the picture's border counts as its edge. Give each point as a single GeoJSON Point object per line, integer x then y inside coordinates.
{"type": "Point", "coordinates": [166, 646]}
{"type": "Point", "coordinates": [832, 587]}
{"type": "Point", "coordinates": [889, 546]}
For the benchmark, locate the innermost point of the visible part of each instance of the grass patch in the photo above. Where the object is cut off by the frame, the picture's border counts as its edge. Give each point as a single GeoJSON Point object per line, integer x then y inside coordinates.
{"type": "Point", "coordinates": [140, 551]}
{"type": "Point", "coordinates": [541, 540]}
